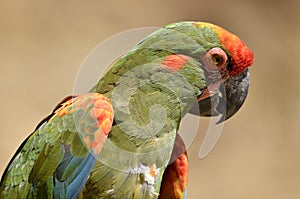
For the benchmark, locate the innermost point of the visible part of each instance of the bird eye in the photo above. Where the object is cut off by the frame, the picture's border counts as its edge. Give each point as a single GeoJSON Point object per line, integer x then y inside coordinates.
{"type": "Point", "coordinates": [215, 57]}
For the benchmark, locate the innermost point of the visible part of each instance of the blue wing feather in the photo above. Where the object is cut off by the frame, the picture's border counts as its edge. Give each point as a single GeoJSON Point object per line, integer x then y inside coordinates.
{"type": "Point", "coordinates": [81, 176]}
{"type": "Point", "coordinates": [73, 184]}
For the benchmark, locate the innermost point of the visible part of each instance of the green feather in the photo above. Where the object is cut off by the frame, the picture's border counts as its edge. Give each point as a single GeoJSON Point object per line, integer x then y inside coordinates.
{"type": "Point", "coordinates": [46, 163]}
{"type": "Point", "coordinates": [78, 148]}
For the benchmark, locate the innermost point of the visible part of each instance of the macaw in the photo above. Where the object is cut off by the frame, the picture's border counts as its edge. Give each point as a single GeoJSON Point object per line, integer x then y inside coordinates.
{"type": "Point", "coordinates": [120, 139]}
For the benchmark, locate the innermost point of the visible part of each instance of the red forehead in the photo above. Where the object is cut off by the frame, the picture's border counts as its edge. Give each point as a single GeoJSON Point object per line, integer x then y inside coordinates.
{"type": "Point", "coordinates": [241, 55]}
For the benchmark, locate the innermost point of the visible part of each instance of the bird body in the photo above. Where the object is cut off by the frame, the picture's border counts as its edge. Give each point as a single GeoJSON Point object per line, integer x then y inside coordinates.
{"type": "Point", "coordinates": [120, 140]}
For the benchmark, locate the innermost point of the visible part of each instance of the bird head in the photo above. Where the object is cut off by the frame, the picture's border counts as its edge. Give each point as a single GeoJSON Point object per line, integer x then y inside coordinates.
{"type": "Point", "coordinates": [227, 74]}
{"type": "Point", "coordinates": [223, 57]}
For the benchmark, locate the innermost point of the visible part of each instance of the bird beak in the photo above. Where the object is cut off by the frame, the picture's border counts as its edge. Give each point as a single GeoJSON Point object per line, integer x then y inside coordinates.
{"type": "Point", "coordinates": [225, 100]}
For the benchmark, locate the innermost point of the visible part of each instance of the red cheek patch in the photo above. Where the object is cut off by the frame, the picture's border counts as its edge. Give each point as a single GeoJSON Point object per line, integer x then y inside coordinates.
{"type": "Point", "coordinates": [175, 62]}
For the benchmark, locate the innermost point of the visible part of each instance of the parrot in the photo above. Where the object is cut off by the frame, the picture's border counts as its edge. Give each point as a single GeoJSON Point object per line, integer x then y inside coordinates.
{"type": "Point", "coordinates": [120, 139]}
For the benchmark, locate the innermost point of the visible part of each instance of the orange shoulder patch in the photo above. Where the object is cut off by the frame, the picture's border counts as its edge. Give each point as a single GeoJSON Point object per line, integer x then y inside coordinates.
{"type": "Point", "coordinates": [97, 107]}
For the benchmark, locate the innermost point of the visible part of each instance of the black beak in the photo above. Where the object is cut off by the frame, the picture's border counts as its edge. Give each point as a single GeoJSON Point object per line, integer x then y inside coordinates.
{"type": "Point", "coordinates": [228, 101]}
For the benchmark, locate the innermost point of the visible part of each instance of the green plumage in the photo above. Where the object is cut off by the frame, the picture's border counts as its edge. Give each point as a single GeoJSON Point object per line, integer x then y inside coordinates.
{"type": "Point", "coordinates": [149, 101]}
{"type": "Point", "coordinates": [151, 88]}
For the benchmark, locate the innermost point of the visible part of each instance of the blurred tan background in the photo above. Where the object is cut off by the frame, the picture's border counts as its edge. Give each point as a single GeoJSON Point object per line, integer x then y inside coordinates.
{"type": "Point", "coordinates": [42, 45]}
